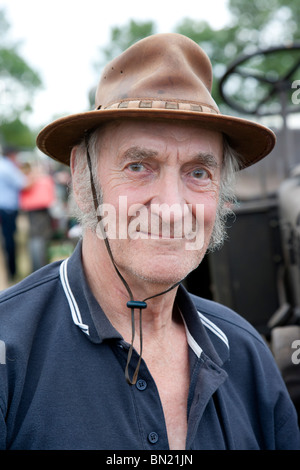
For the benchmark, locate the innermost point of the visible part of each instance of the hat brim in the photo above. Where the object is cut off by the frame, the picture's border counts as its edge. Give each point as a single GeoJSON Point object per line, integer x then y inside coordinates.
{"type": "Point", "coordinates": [249, 139]}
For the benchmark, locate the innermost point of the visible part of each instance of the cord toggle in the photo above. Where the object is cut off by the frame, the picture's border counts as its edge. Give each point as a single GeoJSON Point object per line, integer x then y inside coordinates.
{"type": "Point", "coordinates": [136, 304]}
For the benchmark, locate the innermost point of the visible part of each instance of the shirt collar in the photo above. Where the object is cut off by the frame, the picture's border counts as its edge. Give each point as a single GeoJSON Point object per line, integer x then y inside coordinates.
{"type": "Point", "coordinates": [85, 310]}
{"type": "Point", "coordinates": [204, 337]}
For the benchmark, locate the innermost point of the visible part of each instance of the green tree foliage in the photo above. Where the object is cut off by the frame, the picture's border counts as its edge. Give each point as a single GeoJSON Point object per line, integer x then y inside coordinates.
{"type": "Point", "coordinates": [18, 83]}
{"type": "Point", "coordinates": [255, 25]}
{"type": "Point", "coordinates": [17, 134]}
{"type": "Point", "coordinates": [124, 36]}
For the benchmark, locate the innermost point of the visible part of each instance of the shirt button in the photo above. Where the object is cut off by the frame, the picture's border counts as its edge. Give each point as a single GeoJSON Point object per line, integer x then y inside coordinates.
{"type": "Point", "coordinates": [141, 384]}
{"type": "Point", "coordinates": [153, 437]}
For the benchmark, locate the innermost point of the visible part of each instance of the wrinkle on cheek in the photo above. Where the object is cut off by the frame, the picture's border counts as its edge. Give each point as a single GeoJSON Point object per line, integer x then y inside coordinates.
{"type": "Point", "coordinates": [209, 199]}
{"type": "Point", "coordinates": [109, 180]}
{"type": "Point", "coordinates": [209, 194]}
{"type": "Point", "coordinates": [216, 189]}
{"type": "Point", "coordinates": [115, 187]}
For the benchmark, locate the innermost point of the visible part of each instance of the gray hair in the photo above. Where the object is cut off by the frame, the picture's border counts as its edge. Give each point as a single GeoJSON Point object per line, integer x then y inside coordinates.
{"type": "Point", "coordinates": [85, 211]}
{"type": "Point", "coordinates": [227, 198]}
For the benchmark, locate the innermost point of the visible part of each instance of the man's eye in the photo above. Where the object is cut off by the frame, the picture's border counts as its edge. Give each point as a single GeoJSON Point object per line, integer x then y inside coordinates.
{"type": "Point", "coordinates": [200, 174]}
{"type": "Point", "coordinates": [136, 167]}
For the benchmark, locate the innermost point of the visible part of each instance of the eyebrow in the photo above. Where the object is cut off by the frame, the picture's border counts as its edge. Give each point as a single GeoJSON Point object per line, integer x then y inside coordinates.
{"type": "Point", "coordinates": [207, 159]}
{"type": "Point", "coordinates": [137, 154]}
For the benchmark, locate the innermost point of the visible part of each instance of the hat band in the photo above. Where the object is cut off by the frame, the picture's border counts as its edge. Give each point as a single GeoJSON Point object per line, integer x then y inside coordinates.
{"type": "Point", "coordinates": [161, 104]}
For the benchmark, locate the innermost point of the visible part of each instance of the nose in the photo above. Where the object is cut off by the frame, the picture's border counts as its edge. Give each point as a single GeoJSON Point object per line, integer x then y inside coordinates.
{"type": "Point", "coordinates": [168, 202]}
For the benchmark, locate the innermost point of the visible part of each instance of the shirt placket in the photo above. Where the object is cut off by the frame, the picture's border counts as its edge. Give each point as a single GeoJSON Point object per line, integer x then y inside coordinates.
{"type": "Point", "coordinates": [207, 377]}
{"type": "Point", "coordinates": [151, 428]}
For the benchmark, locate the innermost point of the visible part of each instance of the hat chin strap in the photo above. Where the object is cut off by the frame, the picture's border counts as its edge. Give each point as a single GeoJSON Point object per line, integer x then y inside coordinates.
{"type": "Point", "coordinates": [132, 304]}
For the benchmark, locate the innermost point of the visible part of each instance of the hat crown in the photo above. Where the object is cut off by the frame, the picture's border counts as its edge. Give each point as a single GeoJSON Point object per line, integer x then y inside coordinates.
{"type": "Point", "coordinates": [163, 67]}
{"type": "Point", "coordinates": [164, 76]}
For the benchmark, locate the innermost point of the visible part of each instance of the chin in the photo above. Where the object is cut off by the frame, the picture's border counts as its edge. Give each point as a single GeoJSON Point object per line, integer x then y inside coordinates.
{"type": "Point", "coordinates": [165, 271]}
{"type": "Point", "coordinates": [156, 263]}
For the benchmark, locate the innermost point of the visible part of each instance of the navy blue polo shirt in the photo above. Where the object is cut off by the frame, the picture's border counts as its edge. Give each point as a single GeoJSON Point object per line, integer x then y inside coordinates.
{"type": "Point", "coordinates": [62, 383]}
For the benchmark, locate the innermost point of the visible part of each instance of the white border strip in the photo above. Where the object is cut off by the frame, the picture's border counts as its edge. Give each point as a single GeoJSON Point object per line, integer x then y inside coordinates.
{"type": "Point", "coordinates": [214, 328]}
{"type": "Point", "coordinates": [76, 316]}
{"type": "Point", "coordinates": [191, 341]}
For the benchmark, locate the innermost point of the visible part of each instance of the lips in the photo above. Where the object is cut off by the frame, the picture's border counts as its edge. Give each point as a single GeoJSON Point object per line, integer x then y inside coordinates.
{"type": "Point", "coordinates": [158, 229]}
{"type": "Point", "coordinates": [158, 236]}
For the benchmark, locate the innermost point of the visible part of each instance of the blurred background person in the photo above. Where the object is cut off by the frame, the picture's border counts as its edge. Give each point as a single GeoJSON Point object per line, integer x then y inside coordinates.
{"type": "Point", "coordinates": [36, 200]}
{"type": "Point", "coordinates": [12, 181]}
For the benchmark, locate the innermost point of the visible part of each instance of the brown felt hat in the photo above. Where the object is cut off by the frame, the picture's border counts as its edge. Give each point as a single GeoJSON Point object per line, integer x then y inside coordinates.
{"type": "Point", "coordinates": [164, 76]}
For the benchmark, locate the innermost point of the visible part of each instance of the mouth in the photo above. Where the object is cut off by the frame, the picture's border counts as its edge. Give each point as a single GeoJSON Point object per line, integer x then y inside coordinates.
{"type": "Point", "coordinates": [190, 241]}
{"type": "Point", "coordinates": [158, 236]}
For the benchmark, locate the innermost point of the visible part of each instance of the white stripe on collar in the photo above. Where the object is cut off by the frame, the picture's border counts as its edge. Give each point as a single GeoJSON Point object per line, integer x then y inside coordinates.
{"type": "Point", "coordinates": [76, 316]}
{"type": "Point", "coordinates": [214, 328]}
{"type": "Point", "coordinates": [211, 326]}
{"type": "Point", "coordinates": [191, 341]}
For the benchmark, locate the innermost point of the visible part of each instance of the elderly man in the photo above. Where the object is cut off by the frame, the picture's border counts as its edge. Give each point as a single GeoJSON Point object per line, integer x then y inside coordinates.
{"type": "Point", "coordinates": [106, 349]}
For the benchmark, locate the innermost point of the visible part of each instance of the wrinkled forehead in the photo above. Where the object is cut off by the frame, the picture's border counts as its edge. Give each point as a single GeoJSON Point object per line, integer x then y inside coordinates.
{"type": "Point", "coordinates": [118, 136]}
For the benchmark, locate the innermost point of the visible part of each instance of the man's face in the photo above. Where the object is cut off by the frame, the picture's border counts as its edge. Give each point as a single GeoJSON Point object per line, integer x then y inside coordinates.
{"type": "Point", "coordinates": [165, 178]}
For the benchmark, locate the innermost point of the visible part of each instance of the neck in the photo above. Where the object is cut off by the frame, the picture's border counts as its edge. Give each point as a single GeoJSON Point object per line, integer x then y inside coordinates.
{"type": "Point", "coordinates": [112, 295]}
